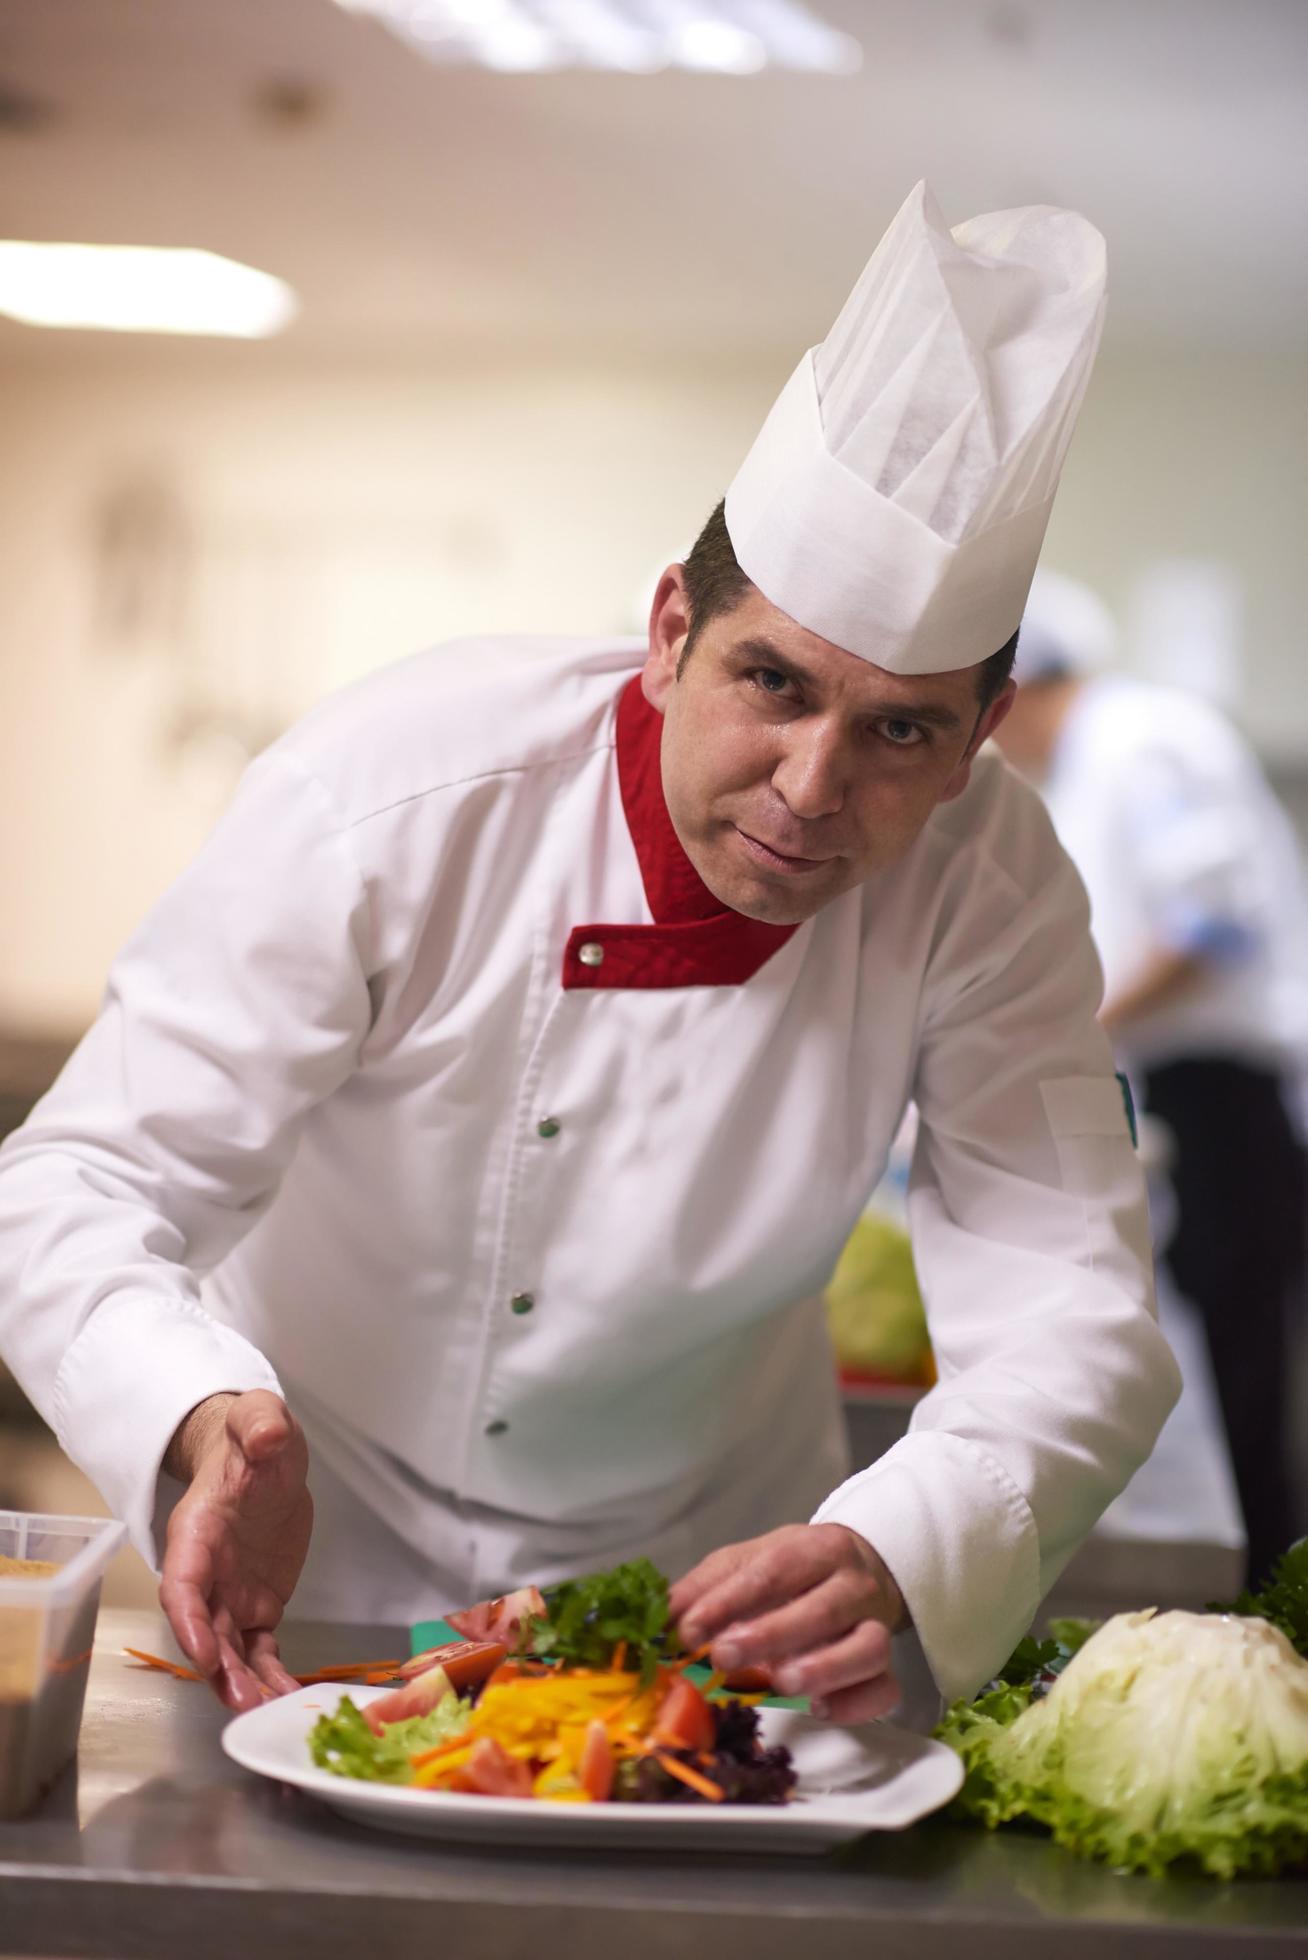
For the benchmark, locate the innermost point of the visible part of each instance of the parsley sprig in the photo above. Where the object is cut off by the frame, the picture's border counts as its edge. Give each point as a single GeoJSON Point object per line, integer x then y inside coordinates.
{"type": "Point", "coordinates": [1283, 1600]}
{"type": "Point", "coordinates": [587, 1618]}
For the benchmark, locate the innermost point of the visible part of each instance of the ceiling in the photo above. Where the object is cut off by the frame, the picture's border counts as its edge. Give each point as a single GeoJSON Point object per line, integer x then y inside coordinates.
{"type": "Point", "coordinates": [416, 208]}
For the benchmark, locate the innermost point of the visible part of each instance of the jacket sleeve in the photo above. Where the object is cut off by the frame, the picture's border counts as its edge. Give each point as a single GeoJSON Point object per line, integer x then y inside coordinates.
{"type": "Point", "coordinates": [1030, 1234]}
{"type": "Point", "coordinates": [239, 1003]}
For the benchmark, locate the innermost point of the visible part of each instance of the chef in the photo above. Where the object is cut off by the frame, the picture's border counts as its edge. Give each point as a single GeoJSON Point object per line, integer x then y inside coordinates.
{"type": "Point", "coordinates": [1199, 911]}
{"type": "Point", "coordinates": [468, 1133]}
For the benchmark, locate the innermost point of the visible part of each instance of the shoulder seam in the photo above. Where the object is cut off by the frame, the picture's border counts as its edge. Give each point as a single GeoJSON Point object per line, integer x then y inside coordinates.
{"type": "Point", "coordinates": [454, 782]}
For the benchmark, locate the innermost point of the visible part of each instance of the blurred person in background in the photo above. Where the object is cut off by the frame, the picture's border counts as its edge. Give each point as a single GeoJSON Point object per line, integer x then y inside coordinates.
{"type": "Point", "coordinates": [1199, 909]}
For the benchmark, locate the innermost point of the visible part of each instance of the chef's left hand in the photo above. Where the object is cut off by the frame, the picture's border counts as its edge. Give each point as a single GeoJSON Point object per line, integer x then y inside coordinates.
{"type": "Point", "coordinates": [814, 1602]}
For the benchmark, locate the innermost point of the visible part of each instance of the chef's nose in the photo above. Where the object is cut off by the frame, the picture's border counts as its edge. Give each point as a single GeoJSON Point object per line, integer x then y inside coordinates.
{"type": "Point", "coordinates": [812, 773]}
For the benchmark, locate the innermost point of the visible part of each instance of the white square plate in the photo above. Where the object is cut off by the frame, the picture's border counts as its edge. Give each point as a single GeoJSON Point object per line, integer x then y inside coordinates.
{"type": "Point", "coordinates": [875, 1778]}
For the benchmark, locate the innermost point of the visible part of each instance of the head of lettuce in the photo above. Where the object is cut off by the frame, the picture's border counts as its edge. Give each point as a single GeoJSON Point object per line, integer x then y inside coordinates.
{"type": "Point", "coordinates": [1170, 1738]}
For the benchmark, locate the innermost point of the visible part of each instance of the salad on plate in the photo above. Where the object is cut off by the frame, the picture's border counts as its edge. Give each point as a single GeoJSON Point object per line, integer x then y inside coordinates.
{"type": "Point", "coordinates": [584, 1697]}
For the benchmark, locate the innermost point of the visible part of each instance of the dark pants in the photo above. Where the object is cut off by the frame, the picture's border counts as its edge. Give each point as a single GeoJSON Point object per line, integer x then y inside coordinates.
{"type": "Point", "coordinates": [1238, 1256]}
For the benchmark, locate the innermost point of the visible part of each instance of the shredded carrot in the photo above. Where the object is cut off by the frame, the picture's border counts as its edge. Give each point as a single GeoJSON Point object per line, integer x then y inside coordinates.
{"type": "Point", "coordinates": [165, 1667]}
{"type": "Point", "coordinates": [619, 1659]}
{"type": "Point", "coordinates": [700, 1653]}
{"type": "Point", "coordinates": [691, 1777]}
{"type": "Point", "coordinates": [446, 1748]}
{"type": "Point", "coordinates": [427, 1778]}
{"type": "Point", "coordinates": [713, 1683]}
{"type": "Point", "coordinates": [71, 1664]}
{"type": "Point", "coordinates": [350, 1671]}
{"type": "Point", "coordinates": [371, 1673]}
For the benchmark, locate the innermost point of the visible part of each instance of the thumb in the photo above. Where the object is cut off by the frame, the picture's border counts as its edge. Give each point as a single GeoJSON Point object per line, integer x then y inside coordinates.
{"type": "Point", "coordinates": [259, 1423]}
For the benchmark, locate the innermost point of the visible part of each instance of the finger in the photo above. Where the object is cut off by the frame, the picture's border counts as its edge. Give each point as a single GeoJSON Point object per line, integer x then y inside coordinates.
{"type": "Point", "coordinates": [236, 1685]}
{"type": "Point", "coordinates": [721, 1565]}
{"type": "Point", "coordinates": [824, 1613]}
{"type": "Point", "coordinates": [186, 1608]}
{"type": "Point", "coordinates": [871, 1701]}
{"type": "Point", "coordinates": [708, 1573]}
{"type": "Point", "coordinates": [260, 1424]}
{"type": "Point", "coordinates": [862, 1655]}
{"type": "Point", "coordinates": [229, 1634]}
{"type": "Point", "coordinates": [263, 1658]}
{"type": "Point", "coordinates": [776, 1574]}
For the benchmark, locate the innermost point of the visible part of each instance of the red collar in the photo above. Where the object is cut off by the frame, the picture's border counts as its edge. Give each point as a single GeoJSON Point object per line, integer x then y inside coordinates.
{"type": "Point", "coordinates": [694, 941]}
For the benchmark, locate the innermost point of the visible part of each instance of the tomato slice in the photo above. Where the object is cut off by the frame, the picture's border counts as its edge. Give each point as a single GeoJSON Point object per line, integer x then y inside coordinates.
{"type": "Point", "coordinates": [417, 1697]}
{"type": "Point", "coordinates": [499, 1619]}
{"type": "Point", "coordinates": [685, 1718]}
{"type": "Point", "coordinates": [466, 1662]}
{"type": "Point", "coordinates": [749, 1680]}
{"type": "Point", "coordinates": [429, 1677]}
{"type": "Point", "coordinates": [595, 1770]}
{"type": "Point", "coordinates": [491, 1771]}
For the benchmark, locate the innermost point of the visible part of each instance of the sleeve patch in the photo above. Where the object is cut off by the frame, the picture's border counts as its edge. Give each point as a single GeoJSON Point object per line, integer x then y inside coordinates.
{"type": "Point", "coordinates": [1089, 1106]}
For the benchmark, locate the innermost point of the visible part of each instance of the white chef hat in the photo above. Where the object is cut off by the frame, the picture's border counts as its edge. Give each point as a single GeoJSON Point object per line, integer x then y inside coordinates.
{"type": "Point", "coordinates": [896, 498]}
{"type": "Point", "coordinates": [1066, 629]}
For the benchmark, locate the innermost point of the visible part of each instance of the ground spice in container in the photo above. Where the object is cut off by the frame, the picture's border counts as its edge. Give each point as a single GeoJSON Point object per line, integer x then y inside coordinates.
{"type": "Point", "coordinates": [43, 1666]}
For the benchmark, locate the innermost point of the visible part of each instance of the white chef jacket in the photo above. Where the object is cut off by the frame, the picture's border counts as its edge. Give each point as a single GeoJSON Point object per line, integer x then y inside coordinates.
{"type": "Point", "coordinates": [440, 1096]}
{"type": "Point", "coordinates": [1181, 844]}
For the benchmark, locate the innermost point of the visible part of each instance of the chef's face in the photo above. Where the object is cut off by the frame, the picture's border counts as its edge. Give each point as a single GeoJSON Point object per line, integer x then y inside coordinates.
{"type": "Point", "coordinates": [792, 769]}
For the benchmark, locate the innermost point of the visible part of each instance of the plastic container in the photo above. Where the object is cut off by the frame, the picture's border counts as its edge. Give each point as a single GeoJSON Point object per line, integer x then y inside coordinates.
{"type": "Point", "coordinates": [47, 1626]}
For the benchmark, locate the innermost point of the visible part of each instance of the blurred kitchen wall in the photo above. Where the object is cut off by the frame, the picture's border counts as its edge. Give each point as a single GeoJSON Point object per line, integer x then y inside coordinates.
{"type": "Point", "coordinates": [197, 548]}
{"type": "Point", "coordinates": [201, 553]}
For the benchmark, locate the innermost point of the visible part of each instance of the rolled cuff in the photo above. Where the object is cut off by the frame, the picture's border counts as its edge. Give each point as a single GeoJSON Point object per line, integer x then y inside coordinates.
{"type": "Point", "coordinates": [141, 1363]}
{"type": "Point", "coordinates": [961, 1543]}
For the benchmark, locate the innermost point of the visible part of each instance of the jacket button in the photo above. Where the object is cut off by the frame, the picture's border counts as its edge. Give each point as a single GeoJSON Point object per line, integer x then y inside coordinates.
{"type": "Point", "coordinates": [496, 1428]}
{"type": "Point", "coordinates": [591, 954]}
{"type": "Point", "coordinates": [548, 1128]}
{"type": "Point", "coordinates": [522, 1303]}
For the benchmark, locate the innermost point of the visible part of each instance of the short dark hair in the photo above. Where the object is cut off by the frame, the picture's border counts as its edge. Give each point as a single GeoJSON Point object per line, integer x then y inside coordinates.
{"type": "Point", "coordinates": [716, 584]}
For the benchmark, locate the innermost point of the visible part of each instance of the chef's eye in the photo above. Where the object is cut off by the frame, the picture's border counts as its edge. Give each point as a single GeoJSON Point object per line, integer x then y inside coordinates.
{"type": "Point", "coordinates": [900, 734]}
{"type": "Point", "coordinates": [771, 681]}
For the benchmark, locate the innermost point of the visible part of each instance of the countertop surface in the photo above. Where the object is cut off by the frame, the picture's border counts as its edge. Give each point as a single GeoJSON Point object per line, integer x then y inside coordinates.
{"type": "Point", "coordinates": [155, 1846]}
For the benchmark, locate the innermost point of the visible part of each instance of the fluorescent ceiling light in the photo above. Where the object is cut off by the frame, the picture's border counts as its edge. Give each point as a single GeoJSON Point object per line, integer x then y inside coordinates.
{"type": "Point", "coordinates": [725, 37]}
{"type": "Point", "coordinates": [716, 47]}
{"type": "Point", "coordinates": [140, 289]}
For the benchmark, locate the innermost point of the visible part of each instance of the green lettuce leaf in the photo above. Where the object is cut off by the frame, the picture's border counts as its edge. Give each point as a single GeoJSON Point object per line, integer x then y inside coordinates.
{"type": "Point", "coordinates": [344, 1744]}
{"type": "Point", "coordinates": [1070, 1636]}
{"type": "Point", "coordinates": [970, 1728]}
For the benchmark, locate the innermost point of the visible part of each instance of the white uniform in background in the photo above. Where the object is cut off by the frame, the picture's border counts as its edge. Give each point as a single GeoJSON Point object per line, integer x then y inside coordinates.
{"type": "Point", "coordinates": [434, 1096]}
{"type": "Point", "coordinates": [1184, 849]}
{"type": "Point", "coordinates": [1181, 844]}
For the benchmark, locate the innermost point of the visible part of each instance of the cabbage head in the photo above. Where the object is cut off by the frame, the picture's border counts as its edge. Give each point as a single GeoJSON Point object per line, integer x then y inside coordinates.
{"type": "Point", "coordinates": [1169, 1737]}
{"type": "Point", "coordinates": [874, 1306]}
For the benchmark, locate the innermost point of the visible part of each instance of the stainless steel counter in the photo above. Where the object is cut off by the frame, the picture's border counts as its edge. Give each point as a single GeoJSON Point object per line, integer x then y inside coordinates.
{"type": "Point", "coordinates": [157, 1848]}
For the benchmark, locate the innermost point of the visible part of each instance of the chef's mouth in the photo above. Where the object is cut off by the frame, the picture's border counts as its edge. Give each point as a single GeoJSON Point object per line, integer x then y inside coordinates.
{"type": "Point", "coordinates": [779, 860]}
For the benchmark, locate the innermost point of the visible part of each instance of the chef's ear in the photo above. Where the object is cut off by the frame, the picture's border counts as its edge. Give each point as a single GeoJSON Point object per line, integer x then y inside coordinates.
{"type": "Point", "coordinates": [669, 628]}
{"type": "Point", "coordinates": [986, 724]}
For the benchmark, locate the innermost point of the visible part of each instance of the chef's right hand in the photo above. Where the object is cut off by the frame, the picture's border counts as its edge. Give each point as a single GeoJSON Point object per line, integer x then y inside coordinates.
{"type": "Point", "coordinates": [236, 1540]}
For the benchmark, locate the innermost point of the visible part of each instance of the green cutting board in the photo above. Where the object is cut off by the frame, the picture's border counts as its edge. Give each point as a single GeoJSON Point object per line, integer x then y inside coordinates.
{"type": "Point", "coordinates": [435, 1633]}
